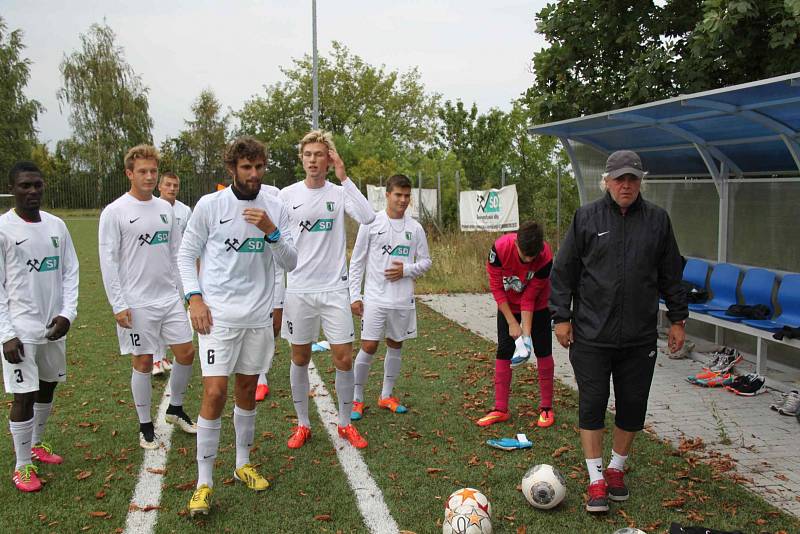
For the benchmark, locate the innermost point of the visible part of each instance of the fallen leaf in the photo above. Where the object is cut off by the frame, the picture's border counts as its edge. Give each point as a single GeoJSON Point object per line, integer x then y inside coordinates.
{"type": "Point", "coordinates": [99, 495]}
{"type": "Point", "coordinates": [561, 450]}
{"type": "Point", "coordinates": [433, 470]}
{"type": "Point", "coordinates": [156, 471]}
{"type": "Point", "coordinates": [673, 503]}
{"type": "Point", "coordinates": [98, 514]}
{"type": "Point", "coordinates": [323, 517]}
{"type": "Point", "coordinates": [83, 475]}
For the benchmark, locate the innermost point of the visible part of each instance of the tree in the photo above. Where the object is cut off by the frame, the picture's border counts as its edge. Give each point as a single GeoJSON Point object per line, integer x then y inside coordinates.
{"type": "Point", "coordinates": [18, 113]}
{"type": "Point", "coordinates": [375, 115]}
{"type": "Point", "coordinates": [196, 153]}
{"type": "Point", "coordinates": [109, 112]}
{"type": "Point", "coordinates": [608, 54]}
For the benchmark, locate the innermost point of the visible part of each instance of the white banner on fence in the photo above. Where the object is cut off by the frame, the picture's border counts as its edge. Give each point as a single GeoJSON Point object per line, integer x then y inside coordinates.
{"type": "Point", "coordinates": [377, 197]}
{"type": "Point", "coordinates": [495, 210]}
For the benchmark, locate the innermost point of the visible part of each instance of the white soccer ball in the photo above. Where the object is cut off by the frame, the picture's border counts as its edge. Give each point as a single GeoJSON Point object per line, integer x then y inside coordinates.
{"type": "Point", "coordinates": [629, 530]}
{"type": "Point", "coordinates": [466, 519]}
{"type": "Point", "coordinates": [544, 487]}
{"type": "Point", "coordinates": [470, 497]}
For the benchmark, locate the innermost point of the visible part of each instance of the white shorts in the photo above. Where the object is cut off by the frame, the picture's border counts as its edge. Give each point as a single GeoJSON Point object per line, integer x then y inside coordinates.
{"type": "Point", "coordinates": [46, 362]}
{"type": "Point", "coordinates": [226, 350]}
{"type": "Point", "coordinates": [397, 325]}
{"type": "Point", "coordinates": [304, 312]}
{"type": "Point", "coordinates": [152, 325]}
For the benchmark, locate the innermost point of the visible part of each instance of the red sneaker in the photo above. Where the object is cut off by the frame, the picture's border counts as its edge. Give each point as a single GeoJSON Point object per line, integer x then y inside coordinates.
{"type": "Point", "coordinates": [262, 390]}
{"type": "Point", "coordinates": [546, 418]}
{"type": "Point", "coordinates": [358, 411]}
{"type": "Point", "coordinates": [493, 417]}
{"type": "Point", "coordinates": [350, 433]}
{"type": "Point", "coordinates": [26, 480]}
{"type": "Point", "coordinates": [598, 497]}
{"type": "Point", "coordinates": [300, 434]}
{"type": "Point", "coordinates": [43, 452]}
{"type": "Point", "coordinates": [617, 490]}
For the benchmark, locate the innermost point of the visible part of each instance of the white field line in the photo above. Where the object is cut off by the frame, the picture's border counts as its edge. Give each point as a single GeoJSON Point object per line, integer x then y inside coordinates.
{"type": "Point", "coordinates": [148, 488]}
{"type": "Point", "coordinates": [368, 495]}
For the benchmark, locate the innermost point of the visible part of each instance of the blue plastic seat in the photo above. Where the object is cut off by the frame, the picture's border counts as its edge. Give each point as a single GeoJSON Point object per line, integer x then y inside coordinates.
{"type": "Point", "coordinates": [695, 272]}
{"type": "Point", "coordinates": [756, 289]}
{"type": "Point", "coordinates": [789, 303]}
{"type": "Point", "coordinates": [723, 282]}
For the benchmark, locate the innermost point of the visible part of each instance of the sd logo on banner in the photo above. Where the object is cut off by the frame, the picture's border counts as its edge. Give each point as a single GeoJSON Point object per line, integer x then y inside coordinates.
{"type": "Point", "coordinates": [495, 210]}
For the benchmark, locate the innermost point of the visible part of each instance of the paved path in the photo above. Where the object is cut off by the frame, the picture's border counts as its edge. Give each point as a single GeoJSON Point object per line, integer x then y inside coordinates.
{"type": "Point", "coordinates": [763, 443]}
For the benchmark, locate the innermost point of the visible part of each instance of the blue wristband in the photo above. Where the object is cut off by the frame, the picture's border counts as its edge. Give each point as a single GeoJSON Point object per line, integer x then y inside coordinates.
{"type": "Point", "coordinates": [190, 293]}
{"type": "Point", "coordinates": [274, 236]}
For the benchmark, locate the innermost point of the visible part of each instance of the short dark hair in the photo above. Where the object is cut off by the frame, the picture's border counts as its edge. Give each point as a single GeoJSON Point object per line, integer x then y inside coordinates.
{"type": "Point", "coordinates": [20, 167]}
{"type": "Point", "coordinates": [530, 238]}
{"type": "Point", "coordinates": [170, 174]}
{"type": "Point", "coordinates": [245, 147]}
{"type": "Point", "coordinates": [399, 181]}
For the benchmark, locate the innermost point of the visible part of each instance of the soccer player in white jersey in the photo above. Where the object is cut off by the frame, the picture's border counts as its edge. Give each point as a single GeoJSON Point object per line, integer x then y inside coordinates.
{"type": "Point", "coordinates": [262, 389]}
{"type": "Point", "coordinates": [394, 252]}
{"type": "Point", "coordinates": [169, 185]}
{"type": "Point", "coordinates": [239, 235]}
{"type": "Point", "coordinates": [317, 290]}
{"type": "Point", "coordinates": [38, 303]}
{"type": "Point", "coordinates": [139, 239]}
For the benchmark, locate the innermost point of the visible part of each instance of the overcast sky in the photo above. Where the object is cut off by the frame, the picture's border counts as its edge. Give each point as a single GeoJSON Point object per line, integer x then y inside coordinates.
{"type": "Point", "coordinates": [469, 49]}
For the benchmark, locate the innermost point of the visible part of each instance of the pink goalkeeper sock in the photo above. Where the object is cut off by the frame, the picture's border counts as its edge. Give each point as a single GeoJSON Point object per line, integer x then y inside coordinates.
{"type": "Point", "coordinates": [545, 366]}
{"type": "Point", "coordinates": [502, 384]}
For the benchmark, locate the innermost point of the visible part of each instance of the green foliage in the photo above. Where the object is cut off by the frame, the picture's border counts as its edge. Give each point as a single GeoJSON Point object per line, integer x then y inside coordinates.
{"type": "Point", "coordinates": [108, 110]}
{"type": "Point", "coordinates": [607, 54]}
{"type": "Point", "coordinates": [18, 113]}
{"type": "Point", "coordinates": [196, 153]}
{"type": "Point", "coordinates": [381, 118]}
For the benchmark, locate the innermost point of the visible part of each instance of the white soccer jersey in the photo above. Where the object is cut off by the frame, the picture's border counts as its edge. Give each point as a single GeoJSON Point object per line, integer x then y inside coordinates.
{"type": "Point", "coordinates": [138, 245]}
{"type": "Point", "coordinates": [38, 276]}
{"type": "Point", "coordinates": [377, 246]}
{"type": "Point", "coordinates": [280, 284]}
{"type": "Point", "coordinates": [237, 264]}
{"type": "Point", "coordinates": [182, 213]}
{"type": "Point", "coordinates": [316, 217]}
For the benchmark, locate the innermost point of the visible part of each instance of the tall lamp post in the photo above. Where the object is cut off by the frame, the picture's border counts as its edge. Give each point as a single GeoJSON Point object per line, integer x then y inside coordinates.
{"type": "Point", "coordinates": [314, 69]}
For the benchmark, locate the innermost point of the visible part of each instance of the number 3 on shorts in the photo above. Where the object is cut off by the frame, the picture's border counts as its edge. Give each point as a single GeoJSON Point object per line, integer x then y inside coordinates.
{"type": "Point", "coordinates": [210, 356]}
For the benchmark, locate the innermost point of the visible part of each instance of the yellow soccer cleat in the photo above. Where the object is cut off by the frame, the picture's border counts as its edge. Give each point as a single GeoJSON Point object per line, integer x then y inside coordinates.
{"type": "Point", "coordinates": [248, 474]}
{"type": "Point", "coordinates": [200, 503]}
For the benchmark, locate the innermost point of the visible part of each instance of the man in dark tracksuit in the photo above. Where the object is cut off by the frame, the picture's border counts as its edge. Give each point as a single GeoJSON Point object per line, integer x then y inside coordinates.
{"type": "Point", "coordinates": [618, 256]}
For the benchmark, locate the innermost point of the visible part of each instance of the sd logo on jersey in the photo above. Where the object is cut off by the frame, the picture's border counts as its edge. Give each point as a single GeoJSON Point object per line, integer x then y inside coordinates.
{"type": "Point", "coordinates": [50, 263]}
{"type": "Point", "coordinates": [251, 244]}
{"type": "Point", "coordinates": [162, 236]}
{"type": "Point", "coordinates": [320, 225]}
{"type": "Point", "coordinates": [399, 250]}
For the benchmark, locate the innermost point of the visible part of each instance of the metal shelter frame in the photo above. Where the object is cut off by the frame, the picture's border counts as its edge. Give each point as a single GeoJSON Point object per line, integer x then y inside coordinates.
{"type": "Point", "coordinates": [744, 133]}
{"type": "Point", "coordinates": [735, 133]}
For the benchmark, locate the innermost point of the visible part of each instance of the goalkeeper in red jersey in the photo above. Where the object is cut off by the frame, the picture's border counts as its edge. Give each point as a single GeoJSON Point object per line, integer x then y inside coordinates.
{"type": "Point", "coordinates": [519, 277]}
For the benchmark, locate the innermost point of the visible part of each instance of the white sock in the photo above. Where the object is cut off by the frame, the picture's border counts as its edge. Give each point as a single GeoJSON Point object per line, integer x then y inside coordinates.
{"type": "Point", "coordinates": [617, 461]}
{"type": "Point", "coordinates": [207, 445]}
{"type": "Point", "coordinates": [391, 370]}
{"type": "Point", "coordinates": [344, 391]}
{"type": "Point", "coordinates": [142, 395]}
{"type": "Point", "coordinates": [178, 382]}
{"type": "Point", "coordinates": [595, 467]}
{"type": "Point", "coordinates": [244, 424]}
{"type": "Point", "coordinates": [361, 373]}
{"type": "Point", "coordinates": [21, 432]}
{"type": "Point", "coordinates": [41, 411]}
{"type": "Point", "coordinates": [298, 379]}
{"type": "Point", "coordinates": [262, 379]}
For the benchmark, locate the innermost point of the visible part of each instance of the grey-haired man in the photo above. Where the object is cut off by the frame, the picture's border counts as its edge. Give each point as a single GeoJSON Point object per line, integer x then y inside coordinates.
{"type": "Point", "coordinates": [617, 258]}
